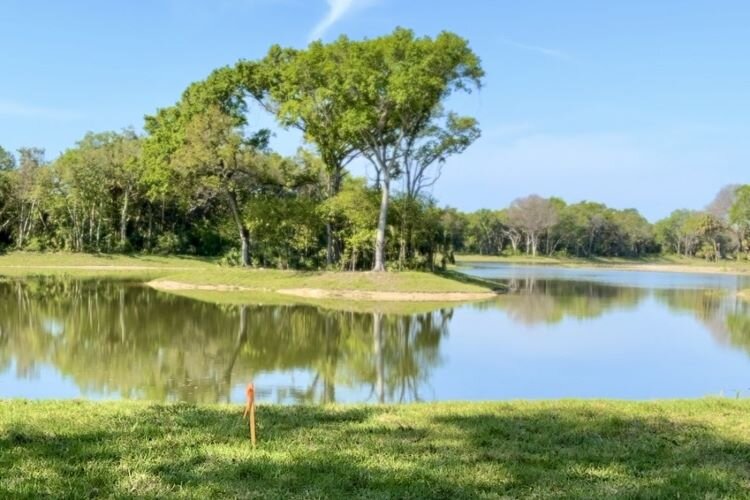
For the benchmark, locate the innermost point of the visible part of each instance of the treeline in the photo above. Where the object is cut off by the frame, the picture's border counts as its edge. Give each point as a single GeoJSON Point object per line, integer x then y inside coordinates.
{"type": "Point", "coordinates": [534, 225]}
{"type": "Point", "coordinates": [100, 197]}
{"type": "Point", "coordinates": [200, 181]}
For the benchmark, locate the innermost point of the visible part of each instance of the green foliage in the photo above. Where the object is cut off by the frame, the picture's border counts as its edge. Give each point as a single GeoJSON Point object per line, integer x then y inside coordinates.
{"type": "Point", "coordinates": [7, 160]}
{"type": "Point", "coordinates": [354, 209]}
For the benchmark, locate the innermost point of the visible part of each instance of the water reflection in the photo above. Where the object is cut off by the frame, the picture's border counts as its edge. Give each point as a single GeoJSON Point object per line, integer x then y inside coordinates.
{"type": "Point", "coordinates": [129, 340]}
{"type": "Point", "coordinates": [114, 339]}
{"type": "Point", "coordinates": [533, 301]}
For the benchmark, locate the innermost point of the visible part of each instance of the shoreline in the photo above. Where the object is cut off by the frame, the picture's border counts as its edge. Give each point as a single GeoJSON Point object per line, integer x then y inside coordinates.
{"type": "Point", "coordinates": [689, 267]}
{"type": "Point", "coordinates": [319, 293]}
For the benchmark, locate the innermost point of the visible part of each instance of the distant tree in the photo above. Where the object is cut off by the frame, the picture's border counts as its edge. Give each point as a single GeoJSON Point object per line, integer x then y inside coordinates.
{"type": "Point", "coordinates": [739, 216]}
{"type": "Point", "coordinates": [666, 231]}
{"type": "Point", "coordinates": [28, 193]}
{"type": "Point", "coordinates": [485, 232]}
{"type": "Point", "coordinates": [636, 234]}
{"type": "Point", "coordinates": [7, 160]}
{"type": "Point", "coordinates": [722, 202]}
{"type": "Point", "coordinates": [710, 228]}
{"type": "Point", "coordinates": [533, 215]}
{"type": "Point", "coordinates": [422, 165]}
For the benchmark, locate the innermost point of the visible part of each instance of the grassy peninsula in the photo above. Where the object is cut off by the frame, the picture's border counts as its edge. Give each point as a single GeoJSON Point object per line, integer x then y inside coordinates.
{"type": "Point", "coordinates": [204, 278]}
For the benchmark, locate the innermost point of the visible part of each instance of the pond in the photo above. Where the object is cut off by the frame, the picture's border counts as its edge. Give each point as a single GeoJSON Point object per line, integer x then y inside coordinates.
{"type": "Point", "coordinates": [558, 333]}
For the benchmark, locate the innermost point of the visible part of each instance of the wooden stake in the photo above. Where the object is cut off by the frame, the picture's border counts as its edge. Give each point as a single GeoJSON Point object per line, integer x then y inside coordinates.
{"type": "Point", "coordinates": [250, 410]}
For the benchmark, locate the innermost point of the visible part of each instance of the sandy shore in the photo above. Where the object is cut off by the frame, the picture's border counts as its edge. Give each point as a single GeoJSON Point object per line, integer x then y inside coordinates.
{"type": "Point", "coordinates": [316, 293]}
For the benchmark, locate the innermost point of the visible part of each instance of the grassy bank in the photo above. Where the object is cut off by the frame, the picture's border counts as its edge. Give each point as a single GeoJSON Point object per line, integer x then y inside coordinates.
{"type": "Point", "coordinates": [658, 263]}
{"type": "Point", "coordinates": [589, 449]}
{"type": "Point", "coordinates": [205, 280]}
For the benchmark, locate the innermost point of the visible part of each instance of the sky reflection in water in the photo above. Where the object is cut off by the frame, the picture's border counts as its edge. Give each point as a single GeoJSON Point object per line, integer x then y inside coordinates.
{"type": "Point", "coordinates": [560, 333]}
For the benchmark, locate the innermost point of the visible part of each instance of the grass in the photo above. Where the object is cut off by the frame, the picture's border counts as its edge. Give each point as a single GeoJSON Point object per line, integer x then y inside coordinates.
{"type": "Point", "coordinates": [260, 284]}
{"type": "Point", "coordinates": [205, 272]}
{"type": "Point", "coordinates": [592, 449]}
{"type": "Point", "coordinates": [268, 279]}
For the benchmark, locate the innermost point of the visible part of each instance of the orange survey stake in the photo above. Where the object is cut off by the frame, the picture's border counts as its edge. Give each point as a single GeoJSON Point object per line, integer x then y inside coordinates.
{"type": "Point", "coordinates": [250, 409]}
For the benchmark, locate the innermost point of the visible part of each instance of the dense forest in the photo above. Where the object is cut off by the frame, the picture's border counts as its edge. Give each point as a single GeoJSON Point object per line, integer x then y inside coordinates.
{"type": "Point", "coordinates": [199, 180]}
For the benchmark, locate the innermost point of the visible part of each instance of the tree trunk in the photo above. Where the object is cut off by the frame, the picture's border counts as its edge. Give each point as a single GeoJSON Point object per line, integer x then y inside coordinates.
{"type": "Point", "coordinates": [329, 245]}
{"type": "Point", "coordinates": [124, 219]}
{"type": "Point", "coordinates": [244, 247]}
{"type": "Point", "coordinates": [334, 186]}
{"type": "Point", "coordinates": [244, 232]}
{"type": "Point", "coordinates": [382, 220]}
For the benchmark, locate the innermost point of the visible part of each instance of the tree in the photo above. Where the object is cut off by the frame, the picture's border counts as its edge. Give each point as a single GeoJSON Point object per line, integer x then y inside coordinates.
{"type": "Point", "coordinates": [29, 197]}
{"type": "Point", "coordinates": [218, 160]}
{"type": "Point", "coordinates": [709, 227]}
{"type": "Point", "coordinates": [485, 231]}
{"type": "Point", "coordinates": [722, 202]}
{"type": "Point", "coordinates": [354, 209]}
{"type": "Point", "coordinates": [422, 164]}
{"type": "Point", "coordinates": [739, 215]}
{"type": "Point", "coordinates": [302, 89]}
{"type": "Point", "coordinates": [7, 161]}
{"type": "Point", "coordinates": [202, 139]}
{"type": "Point", "coordinates": [393, 86]}
{"type": "Point", "coordinates": [534, 215]}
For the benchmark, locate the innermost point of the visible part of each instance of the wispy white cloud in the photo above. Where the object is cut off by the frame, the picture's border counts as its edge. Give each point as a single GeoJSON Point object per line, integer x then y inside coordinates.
{"type": "Point", "coordinates": [20, 110]}
{"type": "Point", "coordinates": [545, 51]}
{"type": "Point", "coordinates": [337, 9]}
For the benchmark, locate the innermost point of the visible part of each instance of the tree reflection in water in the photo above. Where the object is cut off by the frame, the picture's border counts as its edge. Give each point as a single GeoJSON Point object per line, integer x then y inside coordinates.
{"type": "Point", "coordinates": [129, 340]}
{"type": "Point", "coordinates": [124, 339]}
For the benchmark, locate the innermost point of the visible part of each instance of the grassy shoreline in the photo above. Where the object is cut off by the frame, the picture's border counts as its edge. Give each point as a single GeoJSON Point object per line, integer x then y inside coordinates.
{"type": "Point", "coordinates": [203, 279]}
{"type": "Point", "coordinates": [659, 263]}
{"type": "Point", "coordinates": [592, 448]}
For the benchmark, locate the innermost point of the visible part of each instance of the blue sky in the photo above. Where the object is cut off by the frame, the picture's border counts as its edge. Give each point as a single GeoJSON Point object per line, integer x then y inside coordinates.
{"type": "Point", "coordinates": [641, 104]}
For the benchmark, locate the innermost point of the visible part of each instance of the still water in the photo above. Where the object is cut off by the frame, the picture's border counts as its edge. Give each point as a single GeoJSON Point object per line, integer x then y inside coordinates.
{"type": "Point", "coordinates": [559, 333]}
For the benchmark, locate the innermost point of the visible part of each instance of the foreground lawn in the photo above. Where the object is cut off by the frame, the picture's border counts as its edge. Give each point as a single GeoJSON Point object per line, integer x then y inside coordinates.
{"type": "Point", "coordinates": [590, 449]}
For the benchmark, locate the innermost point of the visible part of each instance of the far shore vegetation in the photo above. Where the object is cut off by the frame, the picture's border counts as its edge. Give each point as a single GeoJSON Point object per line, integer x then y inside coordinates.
{"type": "Point", "coordinates": [676, 263]}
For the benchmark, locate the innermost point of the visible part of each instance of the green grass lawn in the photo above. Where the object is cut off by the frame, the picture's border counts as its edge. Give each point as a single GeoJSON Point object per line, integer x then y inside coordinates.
{"type": "Point", "coordinates": [62, 259]}
{"type": "Point", "coordinates": [260, 285]}
{"type": "Point", "coordinates": [269, 279]}
{"type": "Point", "coordinates": [205, 272]}
{"type": "Point", "coordinates": [592, 449]}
